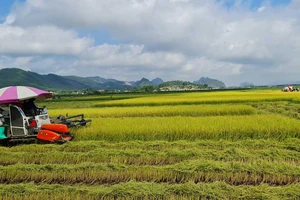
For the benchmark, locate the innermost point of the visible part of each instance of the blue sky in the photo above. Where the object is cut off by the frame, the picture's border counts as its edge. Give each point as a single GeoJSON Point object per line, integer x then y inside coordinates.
{"type": "Point", "coordinates": [100, 36]}
{"type": "Point", "coordinates": [254, 4]}
{"type": "Point", "coordinates": [4, 9]}
{"type": "Point", "coordinates": [170, 39]}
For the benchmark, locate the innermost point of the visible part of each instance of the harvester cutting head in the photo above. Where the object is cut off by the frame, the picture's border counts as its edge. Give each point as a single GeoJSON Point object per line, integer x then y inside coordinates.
{"type": "Point", "coordinates": [72, 121]}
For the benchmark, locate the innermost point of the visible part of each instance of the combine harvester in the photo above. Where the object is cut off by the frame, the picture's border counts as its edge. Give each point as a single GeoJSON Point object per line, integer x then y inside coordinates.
{"type": "Point", "coordinates": [290, 88]}
{"type": "Point", "coordinates": [22, 121]}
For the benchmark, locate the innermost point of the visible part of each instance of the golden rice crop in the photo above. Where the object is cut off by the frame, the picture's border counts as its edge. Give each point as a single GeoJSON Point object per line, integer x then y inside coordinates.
{"type": "Point", "coordinates": [153, 152]}
{"type": "Point", "coordinates": [148, 190]}
{"type": "Point", "coordinates": [203, 98]}
{"type": "Point", "coordinates": [160, 111]}
{"type": "Point", "coordinates": [190, 128]}
{"type": "Point", "coordinates": [291, 144]}
{"type": "Point", "coordinates": [233, 172]}
{"type": "Point", "coordinates": [141, 145]}
{"type": "Point", "coordinates": [135, 156]}
{"type": "Point", "coordinates": [84, 101]}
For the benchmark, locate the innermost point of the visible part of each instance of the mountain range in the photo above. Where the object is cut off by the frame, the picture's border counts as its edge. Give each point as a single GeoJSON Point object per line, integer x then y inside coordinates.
{"type": "Point", "coordinates": [15, 76]}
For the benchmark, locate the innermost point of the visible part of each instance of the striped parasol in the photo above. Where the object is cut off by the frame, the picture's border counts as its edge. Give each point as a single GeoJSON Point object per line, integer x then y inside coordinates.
{"type": "Point", "coordinates": [14, 94]}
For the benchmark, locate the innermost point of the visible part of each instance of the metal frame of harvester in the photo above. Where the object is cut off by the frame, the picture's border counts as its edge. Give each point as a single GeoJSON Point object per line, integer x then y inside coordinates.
{"type": "Point", "coordinates": [71, 121]}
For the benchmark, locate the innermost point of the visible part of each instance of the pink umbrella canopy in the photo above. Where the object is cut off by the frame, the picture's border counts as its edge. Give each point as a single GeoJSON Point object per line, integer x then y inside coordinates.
{"type": "Point", "coordinates": [14, 94]}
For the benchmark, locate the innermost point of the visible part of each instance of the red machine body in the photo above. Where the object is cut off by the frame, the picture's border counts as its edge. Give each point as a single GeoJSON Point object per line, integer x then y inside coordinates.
{"type": "Point", "coordinates": [59, 128]}
{"type": "Point", "coordinates": [47, 135]}
{"type": "Point", "coordinates": [54, 133]}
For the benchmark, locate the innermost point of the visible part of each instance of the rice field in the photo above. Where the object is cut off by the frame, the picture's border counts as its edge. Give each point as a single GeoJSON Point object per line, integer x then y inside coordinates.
{"type": "Point", "coordinates": [200, 145]}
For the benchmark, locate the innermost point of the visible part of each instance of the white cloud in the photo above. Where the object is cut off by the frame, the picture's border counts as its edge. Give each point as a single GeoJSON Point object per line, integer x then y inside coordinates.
{"type": "Point", "coordinates": [249, 41]}
{"type": "Point", "coordinates": [207, 66]}
{"type": "Point", "coordinates": [130, 56]}
{"type": "Point", "coordinates": [40, 64]}
{"type": "Point", "coordinates": [41, 40]}
{"type": "Point", "coordinates": [261, 9]}
{"type": "Point", "coordinates": [176, 38]}
{"type": "Point", "coordinates": [22, 61]}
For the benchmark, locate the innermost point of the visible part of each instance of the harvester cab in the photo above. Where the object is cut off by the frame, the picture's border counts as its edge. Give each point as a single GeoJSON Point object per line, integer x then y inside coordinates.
{"type": "Point", "coordinates": [19, 123]}
{"type": "Point", "coordinates": [18, 126]}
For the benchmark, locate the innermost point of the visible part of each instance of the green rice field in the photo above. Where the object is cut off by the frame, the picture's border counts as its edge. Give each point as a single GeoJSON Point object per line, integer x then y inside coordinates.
{"type": "Point", "coordinates": [199, 145]}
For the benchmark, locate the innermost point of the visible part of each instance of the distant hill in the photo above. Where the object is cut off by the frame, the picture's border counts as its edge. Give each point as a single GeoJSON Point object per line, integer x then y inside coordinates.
{"type": "Point", "coordinates": [102, 80]}
{"type": "Point", "coordinates": [157, 81]}
{"type": "Point", "coordinates": [174, 83]}
{"type": "Point", "coordinates": [85, 81]}
{"type": "Point", "coordinates": [143, 82]}
{"type": "Point", "coordinates": [180, 86]}
{"type": "Point", "coordinates": [100, 83]}
{"type": "Point", "coordinates": [146, 82]}
{"type": "Point", "coordinates": [213, 83]}
{"type": "Point", "coordinates": [15, 76]}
